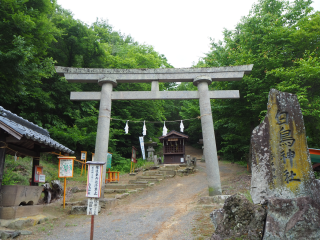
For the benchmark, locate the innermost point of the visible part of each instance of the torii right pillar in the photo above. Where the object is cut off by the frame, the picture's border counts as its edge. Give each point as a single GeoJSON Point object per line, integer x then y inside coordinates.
{"type": "Point", "coordinates": [209, 141]}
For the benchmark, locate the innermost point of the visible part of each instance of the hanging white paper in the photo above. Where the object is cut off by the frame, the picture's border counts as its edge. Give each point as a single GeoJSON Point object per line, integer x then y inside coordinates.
{"type": "Point", "coordinates": [165, 130]}
{"type": "Point", "coordinates": [144, 130]}
{"type": "Point", "coordinates": [181, 126]}
{"type": "Point", "coordinates": [126, 128]}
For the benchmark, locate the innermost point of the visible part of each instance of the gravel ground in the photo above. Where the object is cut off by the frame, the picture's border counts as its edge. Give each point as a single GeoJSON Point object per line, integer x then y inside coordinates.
{"type": "Point", "coordinates": [164, 211]}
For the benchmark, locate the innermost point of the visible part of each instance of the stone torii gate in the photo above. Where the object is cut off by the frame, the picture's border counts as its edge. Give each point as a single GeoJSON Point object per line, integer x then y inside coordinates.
{"type": "Point", "coordinates": [201, 77]}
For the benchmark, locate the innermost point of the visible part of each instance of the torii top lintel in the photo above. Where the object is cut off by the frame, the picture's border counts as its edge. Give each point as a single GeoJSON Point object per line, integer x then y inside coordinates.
{"type": "Point", "coordinates": [92, 75]}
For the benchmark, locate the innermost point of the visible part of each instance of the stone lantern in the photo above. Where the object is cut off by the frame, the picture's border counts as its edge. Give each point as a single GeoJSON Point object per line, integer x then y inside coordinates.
{"type": "Point", "coordinates": [150, 149]}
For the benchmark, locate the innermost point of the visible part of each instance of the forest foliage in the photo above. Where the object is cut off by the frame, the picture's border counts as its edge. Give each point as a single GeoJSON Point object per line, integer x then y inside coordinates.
{"type": "Point", "coordinates": [280, 38]}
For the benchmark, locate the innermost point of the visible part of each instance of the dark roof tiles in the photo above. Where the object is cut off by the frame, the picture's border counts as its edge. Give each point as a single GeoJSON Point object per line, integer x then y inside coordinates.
{"type": "Point", "coordinates": [30, 130]}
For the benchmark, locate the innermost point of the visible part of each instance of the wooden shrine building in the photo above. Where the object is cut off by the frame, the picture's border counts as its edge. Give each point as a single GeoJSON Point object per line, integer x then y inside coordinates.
{"type": "Point", "coordinates": [20, 138]}
{"type": "Point", "coordinates": [174, 147]}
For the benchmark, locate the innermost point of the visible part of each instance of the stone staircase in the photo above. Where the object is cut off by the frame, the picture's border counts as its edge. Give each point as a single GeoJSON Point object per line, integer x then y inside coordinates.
{"type": "Point", "coordinates": [163, 172]}
{"type": "Point", "coordinates": [148, 179]}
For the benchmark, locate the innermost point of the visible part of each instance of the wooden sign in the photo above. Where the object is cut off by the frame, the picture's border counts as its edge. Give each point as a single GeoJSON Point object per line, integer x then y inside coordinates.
{"type": "Point", "coordinates": [173, 139]}
{"type": "Point", "coordinates": [38, 174]}
{"type": "Point", "coordinates": [66, 166]}
{"type": "Point", "coordinates": [83, 155]}
{"type": "Point", "coordinates": [134, 155]}
{"type": "Point", "coordinates": [94, 179]}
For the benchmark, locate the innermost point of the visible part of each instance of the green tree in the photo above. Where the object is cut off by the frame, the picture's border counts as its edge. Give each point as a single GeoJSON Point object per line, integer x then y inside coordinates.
{"type": "Point", "coordinates": [272, 37]}
{"type": "Point", "coordinates": [26, 33]}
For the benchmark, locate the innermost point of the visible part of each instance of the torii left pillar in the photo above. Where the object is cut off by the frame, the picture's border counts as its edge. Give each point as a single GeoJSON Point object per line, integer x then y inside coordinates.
{"type": "Point", "coordinates": [102, 140]}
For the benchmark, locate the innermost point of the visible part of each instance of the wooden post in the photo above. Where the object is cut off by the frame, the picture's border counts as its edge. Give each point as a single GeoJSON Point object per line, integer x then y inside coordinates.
{"type": "Point", "coordinates": [2, 154]}
{"type": "Point", "coordinates": [64, 193]}
{"type": "Point", "coordinates": [35, 162]}
{"type": "Point", "coordinates": [85, 167]}
{"type": "Point", "coordinates": [92, 227]}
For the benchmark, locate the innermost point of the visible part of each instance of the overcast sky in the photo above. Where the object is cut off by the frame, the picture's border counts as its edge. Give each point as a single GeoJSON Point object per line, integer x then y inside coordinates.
{"type": "Point", "coordinates": [179, 29]}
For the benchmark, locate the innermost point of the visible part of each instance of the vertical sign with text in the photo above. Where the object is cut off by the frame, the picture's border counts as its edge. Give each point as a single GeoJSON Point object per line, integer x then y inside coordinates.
{"type": "Point", "coordinates": [93, 206]}
{"type": "Point", "coordinates": [142, 148]}
{"type": "Point", "coordinates": [94, 181]}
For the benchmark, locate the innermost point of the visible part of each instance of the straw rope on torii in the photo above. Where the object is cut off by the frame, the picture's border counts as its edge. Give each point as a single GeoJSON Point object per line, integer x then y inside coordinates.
{"type": "Point", "coordinates": [201, 77]}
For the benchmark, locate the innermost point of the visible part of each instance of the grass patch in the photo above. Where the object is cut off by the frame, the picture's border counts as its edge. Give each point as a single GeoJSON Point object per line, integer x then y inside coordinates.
{"type": "Point", "coordinates": [203, 227]}
{"type": "Point", "coordinates": [248, 196]}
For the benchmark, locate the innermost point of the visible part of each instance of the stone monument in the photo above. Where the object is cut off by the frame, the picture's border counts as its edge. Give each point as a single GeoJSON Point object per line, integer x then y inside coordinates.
{"type": "Point", "coordinates": [282, 183]}
{"type": "Point", "coordinates": [281, 165]}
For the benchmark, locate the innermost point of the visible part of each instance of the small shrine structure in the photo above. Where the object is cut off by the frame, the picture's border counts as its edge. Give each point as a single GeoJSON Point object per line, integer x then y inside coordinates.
{"type": "Point", "coordinates": [20, 138]}
{"type": "Point", "coordinates": [174, 147]}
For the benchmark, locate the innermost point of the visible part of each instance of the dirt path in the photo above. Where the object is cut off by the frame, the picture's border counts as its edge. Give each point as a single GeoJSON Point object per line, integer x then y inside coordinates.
{"type": "Point", "coordinates": [165, 211]}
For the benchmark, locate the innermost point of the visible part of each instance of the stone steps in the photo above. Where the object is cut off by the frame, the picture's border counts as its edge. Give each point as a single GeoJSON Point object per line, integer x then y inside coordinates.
{"type": "Point", "coordinates": [152, 180]}
{"type": "Point", "coordinates": [149, 177]}
{"type": "Point", "coordinates": [168, 172]}
{"type": "Point", "coordinates": [168, 176]}
{"type": "Point", "coordinates": [138, 182]}
{"type": "Point", "coordinates": [151, 173]}
{"type": "Point", "coordinates": [124, 186]}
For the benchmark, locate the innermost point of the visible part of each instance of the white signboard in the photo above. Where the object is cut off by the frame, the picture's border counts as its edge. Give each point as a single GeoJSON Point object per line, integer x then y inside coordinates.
{"type": "Point", "coordinates": [94, 181]}
{"type": "Point", "coordinates": [93, 206]}
{"type": "Point", "coordinates": [182, 159]}
{"type": "Point", "coordinates": [142, 148]}
{"type": "Point", "coordinates": [83, 156]}
{"type": "Point", "coordinates": [65, 168]}
{"type": "Point", "coordinates": [42, 178]}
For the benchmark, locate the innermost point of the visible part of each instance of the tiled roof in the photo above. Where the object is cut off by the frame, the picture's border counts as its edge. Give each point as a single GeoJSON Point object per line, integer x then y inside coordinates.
{"type": "Point", "coordinates": [29, 130]}
{"type": "Point", "coordinates": [176, 133]}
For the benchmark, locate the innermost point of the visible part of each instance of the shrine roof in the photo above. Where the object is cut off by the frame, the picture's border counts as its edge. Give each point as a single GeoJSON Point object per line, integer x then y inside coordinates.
{"type": "Point", "coordinates": [173, 132]}
{"type": "Point", "coordinates": [21, 128]}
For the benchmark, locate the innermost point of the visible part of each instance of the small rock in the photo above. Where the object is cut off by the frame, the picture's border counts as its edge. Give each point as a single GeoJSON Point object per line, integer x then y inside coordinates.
{"type": "Point", "coordinates": [239, 217]}
{"type": "Point", "coordinates": [74, 189]}
{"type": "Point", "coordinates": [121, 196]}
{"type": "Point", "coordinates": [9, 234]}
{"type": "Point", "coordinates": [81, 210]}
{"type": "Point", "coordinates": [216, 217]}
{"type": "Point", "coordinates": [25, 232]}
{"type": "Point", "coordinates": [20, 224]}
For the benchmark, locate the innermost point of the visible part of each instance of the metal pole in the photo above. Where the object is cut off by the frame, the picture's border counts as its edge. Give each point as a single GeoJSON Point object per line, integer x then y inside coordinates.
{"type": "Point", "coordinates": [92, 227]}
{"type": "Point", "coordinates": [209, 142]}
{"type": "Point", "coordinates": [102, 140]}
{"type": "Point", "coordinates": [64, 193]}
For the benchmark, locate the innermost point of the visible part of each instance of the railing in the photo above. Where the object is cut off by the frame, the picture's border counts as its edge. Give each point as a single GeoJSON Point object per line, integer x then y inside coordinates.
{"type": "Point", "coordinates": [112, 176]}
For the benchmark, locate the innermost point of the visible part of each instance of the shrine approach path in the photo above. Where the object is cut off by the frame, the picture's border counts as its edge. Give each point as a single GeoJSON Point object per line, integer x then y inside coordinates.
{"type": "Point", "coordinates": [164, 211]}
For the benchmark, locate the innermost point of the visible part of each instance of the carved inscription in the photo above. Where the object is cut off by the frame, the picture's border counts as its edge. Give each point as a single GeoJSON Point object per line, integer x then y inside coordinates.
{"type": "Point", "coordinates": [286, 145]}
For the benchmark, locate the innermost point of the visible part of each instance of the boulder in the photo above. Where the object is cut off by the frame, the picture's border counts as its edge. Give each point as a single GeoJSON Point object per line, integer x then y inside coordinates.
{"type": "Point", "coordinates": [238, 218]}
{"type": "Point", "coordinates": [297, 218]}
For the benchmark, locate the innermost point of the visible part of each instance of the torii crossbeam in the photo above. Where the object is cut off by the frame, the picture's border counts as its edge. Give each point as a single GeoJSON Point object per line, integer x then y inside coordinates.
{"type": "Point", "coordinates": [201, 77]}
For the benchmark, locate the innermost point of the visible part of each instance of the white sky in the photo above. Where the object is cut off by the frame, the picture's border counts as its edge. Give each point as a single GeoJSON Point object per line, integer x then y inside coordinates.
{"type": "Point", "coordinates": [179, 29]}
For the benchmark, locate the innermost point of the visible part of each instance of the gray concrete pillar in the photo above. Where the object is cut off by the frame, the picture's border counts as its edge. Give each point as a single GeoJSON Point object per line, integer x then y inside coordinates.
{"type": "Point", "coordinates": [102, 140]}
{"type": "Point", "coordinates": [209, 142]}
{"type": "Point", "coordinates": [155, 86]}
